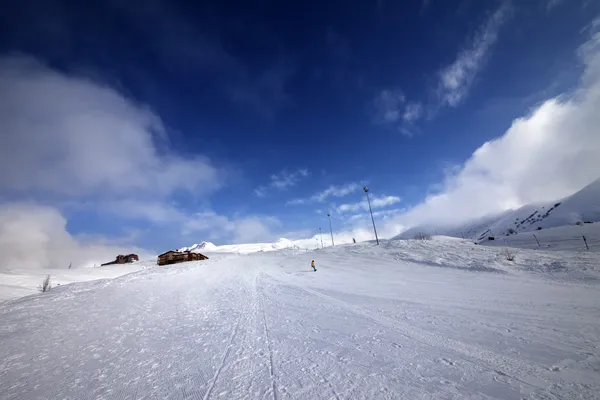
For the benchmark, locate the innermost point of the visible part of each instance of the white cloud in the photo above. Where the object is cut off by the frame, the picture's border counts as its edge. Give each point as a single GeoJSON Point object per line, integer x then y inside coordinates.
{"type": "Point", "coordinates": [70, 136]}
{"type": "Point", "coordinates": [383, 214]}
{"type": "Point", "coordinates": [412, 112]}
{"type": "Point", "coordinates": [376, 202]}
{"type": "Point", "coordinates": [242, 229]}
{"type": "Point", "coordinates": [207, 224]}
{"type": "Point", "coordinates": [66, 137]}
{"type": "Point", "coordinates": [391, 110]}
{"type": "Point", "coordinates": [546, 155]}
{"type": "Point", "coordinates": [455, 80]}
{"type": "Point", "coordinates": [260, 191]}
{"type": "Point", "coordinates": [295, 202]}
{"type": "Point", "coordinates": [34, 237]}
{"type": "Point", "coordinates": [154, 211]}
{"type": "Point", "coordinates": [284, 179]}
{"type": "Point", "coordinates": [281, 181]}
{"type": "Point", "coordinates": [335, 191]}
{"type": "Point", "coordinates": [388, 106]}
{"type": "Point", "coordinates": [331, 191]}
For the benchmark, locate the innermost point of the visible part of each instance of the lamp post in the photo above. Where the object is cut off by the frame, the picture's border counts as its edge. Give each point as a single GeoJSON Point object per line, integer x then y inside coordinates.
{"type": "Point", "coordinates": [366, 189]}
{"type": "Point", "coordinates": [330, 229]}
{"type": "Point", "coordinates": [321, 236]}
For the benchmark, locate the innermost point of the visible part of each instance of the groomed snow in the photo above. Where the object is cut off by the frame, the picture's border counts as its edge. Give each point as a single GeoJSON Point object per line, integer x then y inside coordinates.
{"type": "Point", "coordinates": [443, 319]}
{"type": "Point", "coordinates": [22, 282]}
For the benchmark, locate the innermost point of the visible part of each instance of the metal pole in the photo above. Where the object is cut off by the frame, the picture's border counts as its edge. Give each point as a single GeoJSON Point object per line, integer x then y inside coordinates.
{"type": "Point", "coordinates": [321, 236]}
{"type": "Point", "coordinates": [366, 189]}
{"type": "Point", "coordinates": [330, 229]}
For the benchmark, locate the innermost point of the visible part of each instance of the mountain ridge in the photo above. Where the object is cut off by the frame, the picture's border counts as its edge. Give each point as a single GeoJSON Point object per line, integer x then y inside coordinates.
{"type": "Point", "coordinates": [579, 208]}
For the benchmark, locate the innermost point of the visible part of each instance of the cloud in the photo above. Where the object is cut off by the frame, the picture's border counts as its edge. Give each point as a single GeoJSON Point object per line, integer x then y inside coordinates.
{"type": "Point", "coordinates": [376, 202]}
{"type": "Point", "coordinates": [206, 223]}
{"type": "Point", "coordinates": [388, 106]}
{"type": "Point", "coordinates": [456, 79]}
{"type": "Point", "coordinates": [244, 229]}
{"type": "Point", "coordinates": [390, 109]}
{"type": "Point", "coordinates": [33, 236]}
{"type": "Point", "coordinates": [546, 155]}
{"type": "Point", "coordinates": [335, 191]}
{"type": "Point", "coordinates": [383, 214]}
{"type": "Point", "coordinates": [296, 202]}
{"type": "Point", "coordinates": [260, 191]}
{"type": "Point", "coordinates": [69, 136]}
{"type": "Point", "coordinates": [282, 181]}
{"type": "Point", "coordinates": [154, 211]}
{"type": "Point", "coordinates": [331, 191]}
{"type": "Point", "coordinates": [412, 112]}
{"type": "Point", "coordinates": [178, 45]}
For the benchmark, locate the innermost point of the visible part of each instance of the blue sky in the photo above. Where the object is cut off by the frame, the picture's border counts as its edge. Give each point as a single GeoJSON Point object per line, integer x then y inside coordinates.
{"type": "Point", "coordinates": [160, 123]}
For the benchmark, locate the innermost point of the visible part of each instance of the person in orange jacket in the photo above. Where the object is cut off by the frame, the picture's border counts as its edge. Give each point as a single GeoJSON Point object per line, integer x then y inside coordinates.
{"type": "Point", "coordinates": [312, 264]}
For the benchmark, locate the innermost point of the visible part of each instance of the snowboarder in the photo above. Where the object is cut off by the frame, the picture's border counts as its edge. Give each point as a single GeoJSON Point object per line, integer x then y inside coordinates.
{"type": "Point", "coordinates": [312, 264]}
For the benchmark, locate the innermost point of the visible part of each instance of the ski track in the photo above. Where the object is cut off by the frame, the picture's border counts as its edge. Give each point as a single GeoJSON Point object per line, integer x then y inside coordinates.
{"type": "Point", "coordinates": [268, 342]}
{"type": "Point", "coordinates": [515, 367]}
{"type": "Point", "coordinates": [225, 355]}
{"type": "Point", "coordinates": [265, 326]}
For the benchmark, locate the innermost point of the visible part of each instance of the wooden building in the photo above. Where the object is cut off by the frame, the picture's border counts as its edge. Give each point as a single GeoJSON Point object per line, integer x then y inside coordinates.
{"type": "Point", "coordinates": [173, 257]}
{"type": "Point", "coordinates": [124, 259]}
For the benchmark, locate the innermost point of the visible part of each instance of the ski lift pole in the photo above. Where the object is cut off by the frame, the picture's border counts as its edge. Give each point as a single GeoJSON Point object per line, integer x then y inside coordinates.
{"type": "Point", "coordinates": [330, 229]}
{"type": "Point", "coordinates": [321, 236]}
{"type": "Point", "coordinates": [366, 189]}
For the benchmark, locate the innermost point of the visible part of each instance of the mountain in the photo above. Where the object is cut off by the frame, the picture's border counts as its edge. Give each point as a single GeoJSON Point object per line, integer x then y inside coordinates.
{"type": "Point", "coordinates": [580, 208]}
{"type": "Point", "coordinates": [204, 246]}
{"type": "Point", "coordinates": [207, 247]}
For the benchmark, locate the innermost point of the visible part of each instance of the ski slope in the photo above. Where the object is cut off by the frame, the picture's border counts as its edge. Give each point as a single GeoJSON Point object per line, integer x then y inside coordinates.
{"type": "Point", "coordinates": [405, 320]}
{"type": "Point", "coordinates": [560, 238]}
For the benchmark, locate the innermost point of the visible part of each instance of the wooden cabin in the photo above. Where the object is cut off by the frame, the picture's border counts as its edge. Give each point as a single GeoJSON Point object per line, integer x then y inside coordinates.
{"type": "Point", "coordinates": [124, 259]}
{"type": "Point", "coordinates": [173, 257]}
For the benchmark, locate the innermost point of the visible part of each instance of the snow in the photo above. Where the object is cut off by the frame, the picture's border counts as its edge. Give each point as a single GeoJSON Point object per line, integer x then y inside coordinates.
{"type": "Point", "coordinates": [439, 319]}
{"type": "Point", "coordinates": [202, 246]}
{"type": "Point", "coordinates": [22, 282]}
{"type": "Point", "coordinates": [247, 248]}
{"type": "Point", "coordinates": [579, 207]}
{"type": "Point", "coordinates": [560, 238]}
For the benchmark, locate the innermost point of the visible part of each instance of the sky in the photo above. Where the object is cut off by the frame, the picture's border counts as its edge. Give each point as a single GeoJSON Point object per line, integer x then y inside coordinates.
{"type": "Point", "coordinates": [150, 125]}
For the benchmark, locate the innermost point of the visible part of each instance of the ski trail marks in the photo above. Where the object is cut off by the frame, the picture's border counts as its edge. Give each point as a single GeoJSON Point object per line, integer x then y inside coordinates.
{"type": "Point", "coordinates": [269, 348]}
{"type": "Point", "coordinates": [234, 333]}
{"type": "Point", "coordinates": [480, 358]}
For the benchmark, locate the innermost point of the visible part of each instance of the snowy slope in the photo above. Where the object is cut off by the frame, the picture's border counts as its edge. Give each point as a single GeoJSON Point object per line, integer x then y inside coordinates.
{"type": "Point", "coordinates": [208, 247]}
{"type": "Point", "coordinates": [568, 237]}
{"type": "Point", "coordinates": [22, 282]}
{"type": "Point", "coordinates": [202, 246]}
{"type": "Point", "coordinates": [580, 207]}
{"type": "Point", "coordinates": [444, 319]}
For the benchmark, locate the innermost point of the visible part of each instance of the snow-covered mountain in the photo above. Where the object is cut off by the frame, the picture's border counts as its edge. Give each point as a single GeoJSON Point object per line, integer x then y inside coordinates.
{"type": "Point", "coordinates": [582, 207]}
{"type": "Point", "coordinates": [207, 247]}
{"type": "Point", "coordinates": [202, 246]}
